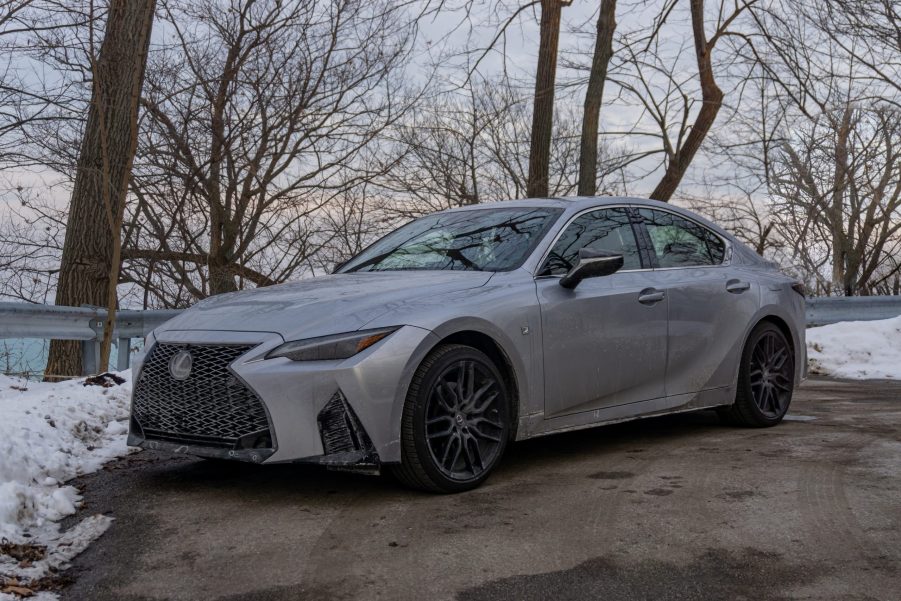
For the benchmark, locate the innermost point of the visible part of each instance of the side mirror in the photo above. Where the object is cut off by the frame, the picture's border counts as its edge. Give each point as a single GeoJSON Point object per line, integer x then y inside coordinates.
{"type": "Point", "coordinates": [592, 264]}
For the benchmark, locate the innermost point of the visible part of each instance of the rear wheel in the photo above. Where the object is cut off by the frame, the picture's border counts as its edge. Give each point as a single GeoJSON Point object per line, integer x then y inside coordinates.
{"type": "Point", "coordinates": [455, 423]}
{"type": "Point", "coordinates": [765, 379]}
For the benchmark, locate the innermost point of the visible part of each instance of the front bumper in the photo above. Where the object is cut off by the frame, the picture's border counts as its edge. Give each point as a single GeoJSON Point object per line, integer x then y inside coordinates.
{"type": "Point", "coordinates": [305, 400]}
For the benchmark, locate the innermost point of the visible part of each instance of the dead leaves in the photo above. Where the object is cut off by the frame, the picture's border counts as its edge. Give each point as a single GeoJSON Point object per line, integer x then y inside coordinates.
{"type": "Point", "coordinates": [12, 587]}
{"type": "Point", "coordinates": [23, 552]}
{"type": "Point", "coordinates": [26, 555]}
{"type": "Point", "coordinates": [106, 380]}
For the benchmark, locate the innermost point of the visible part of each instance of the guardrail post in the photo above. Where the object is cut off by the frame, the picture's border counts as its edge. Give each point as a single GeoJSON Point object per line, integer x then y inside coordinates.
{"type": "Point", "coordinates": [122, 360]}
{"type": "Point", "coordinates": [90, 357]}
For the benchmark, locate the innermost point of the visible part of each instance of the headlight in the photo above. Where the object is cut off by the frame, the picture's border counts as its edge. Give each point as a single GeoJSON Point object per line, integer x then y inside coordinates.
{"type": "Point", "coordinates": [326, 348]}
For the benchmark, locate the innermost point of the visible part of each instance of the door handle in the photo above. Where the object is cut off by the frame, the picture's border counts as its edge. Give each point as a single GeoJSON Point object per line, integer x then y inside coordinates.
{"type": "Point", "coordinates": [649, 296]}
{"type": "Point", "coordinates": [737, 286]}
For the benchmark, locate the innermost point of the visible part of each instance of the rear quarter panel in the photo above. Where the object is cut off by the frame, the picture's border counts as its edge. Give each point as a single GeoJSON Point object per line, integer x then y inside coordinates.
{"type": "Point", "coordinates": [779, 302]}
{"type": "Point", "coordinates": [777, 299]}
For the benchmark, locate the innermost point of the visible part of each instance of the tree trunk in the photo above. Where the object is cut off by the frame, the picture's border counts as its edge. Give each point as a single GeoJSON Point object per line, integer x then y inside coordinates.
{"type": "Point", "coordinates": [87, 271]}
{"type": "Point", "coordinates": [222, 275]}
{"type": "Point", "coordinates": [836, 206]}
{"type": "Point", "coordinates": [594, 96]}
{"type": "Point", "coordinates": [543, 107]}
{"type": "Point", "coordinates": [712, 98]}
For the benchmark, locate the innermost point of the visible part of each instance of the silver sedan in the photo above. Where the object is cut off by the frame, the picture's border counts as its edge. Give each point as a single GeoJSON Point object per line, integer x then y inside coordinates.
{"type": "Point", "coordinates": [431, 350]}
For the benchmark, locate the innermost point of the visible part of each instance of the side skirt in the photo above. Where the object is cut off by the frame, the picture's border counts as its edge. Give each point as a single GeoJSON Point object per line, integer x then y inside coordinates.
{"type": "Point", "coordinates": [682, 403]}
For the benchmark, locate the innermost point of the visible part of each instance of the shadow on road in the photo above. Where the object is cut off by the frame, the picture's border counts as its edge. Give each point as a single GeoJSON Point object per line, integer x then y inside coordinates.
{"type": "Point", "coordinates": [546, 453]}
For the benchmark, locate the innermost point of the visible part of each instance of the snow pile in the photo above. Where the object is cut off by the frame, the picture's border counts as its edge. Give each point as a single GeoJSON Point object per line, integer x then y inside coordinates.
{"type": "Point", "coordinates": [50, 433]}
{"type": "Point", "coordinates": [860, 350]}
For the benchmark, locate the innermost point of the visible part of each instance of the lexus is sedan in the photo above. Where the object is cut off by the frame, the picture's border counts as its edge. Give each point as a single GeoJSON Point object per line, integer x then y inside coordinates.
{"type": "Point", "coordinates": [434, 348]}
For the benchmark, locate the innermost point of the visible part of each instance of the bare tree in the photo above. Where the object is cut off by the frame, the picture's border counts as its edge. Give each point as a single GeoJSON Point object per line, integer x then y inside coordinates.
{"type": "Point", "coordinates": [471, 145]}
{"type": "Point", "coordinates": [13, 108]}
{"type": "Point", "coordinates": [90, 259]}
{"type": "Point", "coordinates": [804, 133]}
{"type": "Point", "coordinates": [838, 197]}
{"type": "Point", "coordinates": [680, 156]}
{"type": "Point", "coordinates": [649, 83]}
{"type": "Point", "coordinates": [868, 32]}
{"type": "Point", "coordinates": [543, 107]}
{"type": "Point", "coordinates": [256, 120]}
{"type": "Point", "coordinates": [594, 96]}
{"type": "Point", "coordinates": [29, 96]}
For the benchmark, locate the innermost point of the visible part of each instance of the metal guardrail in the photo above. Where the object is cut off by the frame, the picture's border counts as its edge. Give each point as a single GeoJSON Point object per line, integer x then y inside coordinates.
{"type": "Point", "coordinates": [825, 310]}
{"type": "Point", "coordinates": [49, 322]}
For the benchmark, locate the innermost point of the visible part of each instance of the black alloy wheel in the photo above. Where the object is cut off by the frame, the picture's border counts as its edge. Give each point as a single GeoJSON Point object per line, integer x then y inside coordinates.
{"type": "Point", "coordinates": [771, 375]}
{"type": "Point", "coordinates": [456, 421]}
{"type": "Point", "coordinates": [765, 379]}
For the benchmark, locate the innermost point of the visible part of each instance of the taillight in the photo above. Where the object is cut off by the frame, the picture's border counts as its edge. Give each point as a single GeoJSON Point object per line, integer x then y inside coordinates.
{"type": "Point", "coordinates": [799, 288]}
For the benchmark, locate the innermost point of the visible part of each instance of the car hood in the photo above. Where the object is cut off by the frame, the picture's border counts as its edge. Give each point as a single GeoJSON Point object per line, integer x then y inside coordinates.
{"type": "Point", "coordinates": [323, 305]}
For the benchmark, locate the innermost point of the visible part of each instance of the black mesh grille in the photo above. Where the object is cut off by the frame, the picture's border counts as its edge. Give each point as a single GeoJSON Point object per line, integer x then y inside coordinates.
{"type": "Point", "coordinates": [210, 407]}
{"type": "Point", "coordinates": [341, 431]}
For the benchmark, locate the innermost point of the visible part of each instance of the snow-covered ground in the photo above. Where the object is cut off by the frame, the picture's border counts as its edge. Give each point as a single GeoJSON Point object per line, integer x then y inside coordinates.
{"type": "Point", "coordinates": [861, 350]}
{"type": "Point", "coordinates": [51, 433]}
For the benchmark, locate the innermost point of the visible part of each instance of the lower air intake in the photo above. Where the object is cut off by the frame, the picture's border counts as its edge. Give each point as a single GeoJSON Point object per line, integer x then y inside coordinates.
{"type": "Point", "coordinates": [340, 429]}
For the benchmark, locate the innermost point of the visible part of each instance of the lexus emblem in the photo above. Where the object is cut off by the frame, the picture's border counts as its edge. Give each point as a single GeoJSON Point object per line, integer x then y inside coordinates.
{"type": "Point", "coordinates": [180, 365]}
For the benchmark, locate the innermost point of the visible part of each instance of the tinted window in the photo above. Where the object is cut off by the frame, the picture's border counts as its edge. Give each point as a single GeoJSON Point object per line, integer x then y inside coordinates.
{"type": "Point", "coordinates": [679, 242]}
{"type": "Point", "coordinates": [604, 229]}
{"type": "Point", "coordinates": [476, 240]}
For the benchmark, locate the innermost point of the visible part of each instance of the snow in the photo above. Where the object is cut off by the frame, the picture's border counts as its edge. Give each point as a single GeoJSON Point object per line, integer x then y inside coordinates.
{"type": "Point", "coordinates": [49, 434]}
{"type": "Point", "coordinates": [859, 350]}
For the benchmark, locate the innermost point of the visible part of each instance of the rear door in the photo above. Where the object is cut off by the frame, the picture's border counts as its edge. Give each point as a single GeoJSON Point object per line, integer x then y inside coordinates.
{"type": "Point", "coordinates": [604, 343]}
{"type": "Point", "coordinates": [710, 303]}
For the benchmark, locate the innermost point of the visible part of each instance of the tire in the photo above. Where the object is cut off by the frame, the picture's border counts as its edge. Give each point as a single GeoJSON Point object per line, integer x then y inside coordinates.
{"type": "Point", "coordinates": [453, 436]}
{"type": "Point", "coordinates": [766, 379]}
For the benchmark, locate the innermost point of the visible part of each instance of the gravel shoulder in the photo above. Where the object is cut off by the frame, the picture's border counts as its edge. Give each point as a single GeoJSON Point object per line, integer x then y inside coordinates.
{"type": "Point", "coordinates": [678, 507]}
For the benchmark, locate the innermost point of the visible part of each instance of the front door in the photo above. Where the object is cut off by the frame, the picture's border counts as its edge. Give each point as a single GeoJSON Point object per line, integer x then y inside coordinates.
{"type": "Point", "coordinates": [605, 341]}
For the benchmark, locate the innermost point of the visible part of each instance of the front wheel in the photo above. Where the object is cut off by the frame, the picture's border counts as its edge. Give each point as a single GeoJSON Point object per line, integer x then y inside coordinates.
{"type": "Point", "coordinates": [455, 423]}
{"type": "Point", "coordinates": [765, 379]}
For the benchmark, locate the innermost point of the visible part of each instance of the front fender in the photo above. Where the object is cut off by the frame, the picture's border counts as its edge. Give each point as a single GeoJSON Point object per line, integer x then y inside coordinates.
{"type": "Point", "coordinates": [505, 310]}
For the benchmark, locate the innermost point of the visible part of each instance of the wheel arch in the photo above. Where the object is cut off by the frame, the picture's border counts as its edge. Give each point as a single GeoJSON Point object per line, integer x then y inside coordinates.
{"type": "Point", "coordinates": [776, 316]}
{"type": "Point", "coordinates": [745, 410]}
{"type": "Point", "coordinates": [501, 359]}
{"type": "Point", "coordinates": [783, 327]}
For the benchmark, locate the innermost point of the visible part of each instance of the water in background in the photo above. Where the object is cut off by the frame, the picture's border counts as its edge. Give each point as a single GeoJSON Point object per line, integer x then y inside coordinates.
{"type": "Point", "coordinates": [28, 356]}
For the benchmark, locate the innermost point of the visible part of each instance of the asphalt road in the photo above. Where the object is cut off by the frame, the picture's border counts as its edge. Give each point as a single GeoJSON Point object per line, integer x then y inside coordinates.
{"type": "Point", "coordinates": [669, 508]}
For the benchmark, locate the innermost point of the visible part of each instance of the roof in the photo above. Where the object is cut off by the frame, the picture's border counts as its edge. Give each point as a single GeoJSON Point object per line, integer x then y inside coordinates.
{"type": "Point", "coordinates": [565, 202]}
{"type": "Point", "coordinates": [575, 204]}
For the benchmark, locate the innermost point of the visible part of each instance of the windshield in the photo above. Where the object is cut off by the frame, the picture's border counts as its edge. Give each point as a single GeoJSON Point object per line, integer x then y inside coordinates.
{"type": "Point", "coordinates": [476, 240]}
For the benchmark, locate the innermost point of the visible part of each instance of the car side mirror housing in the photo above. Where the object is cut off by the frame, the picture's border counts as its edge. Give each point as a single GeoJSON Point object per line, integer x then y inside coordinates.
{"type": "Point", "coordinates": [592, 264]}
